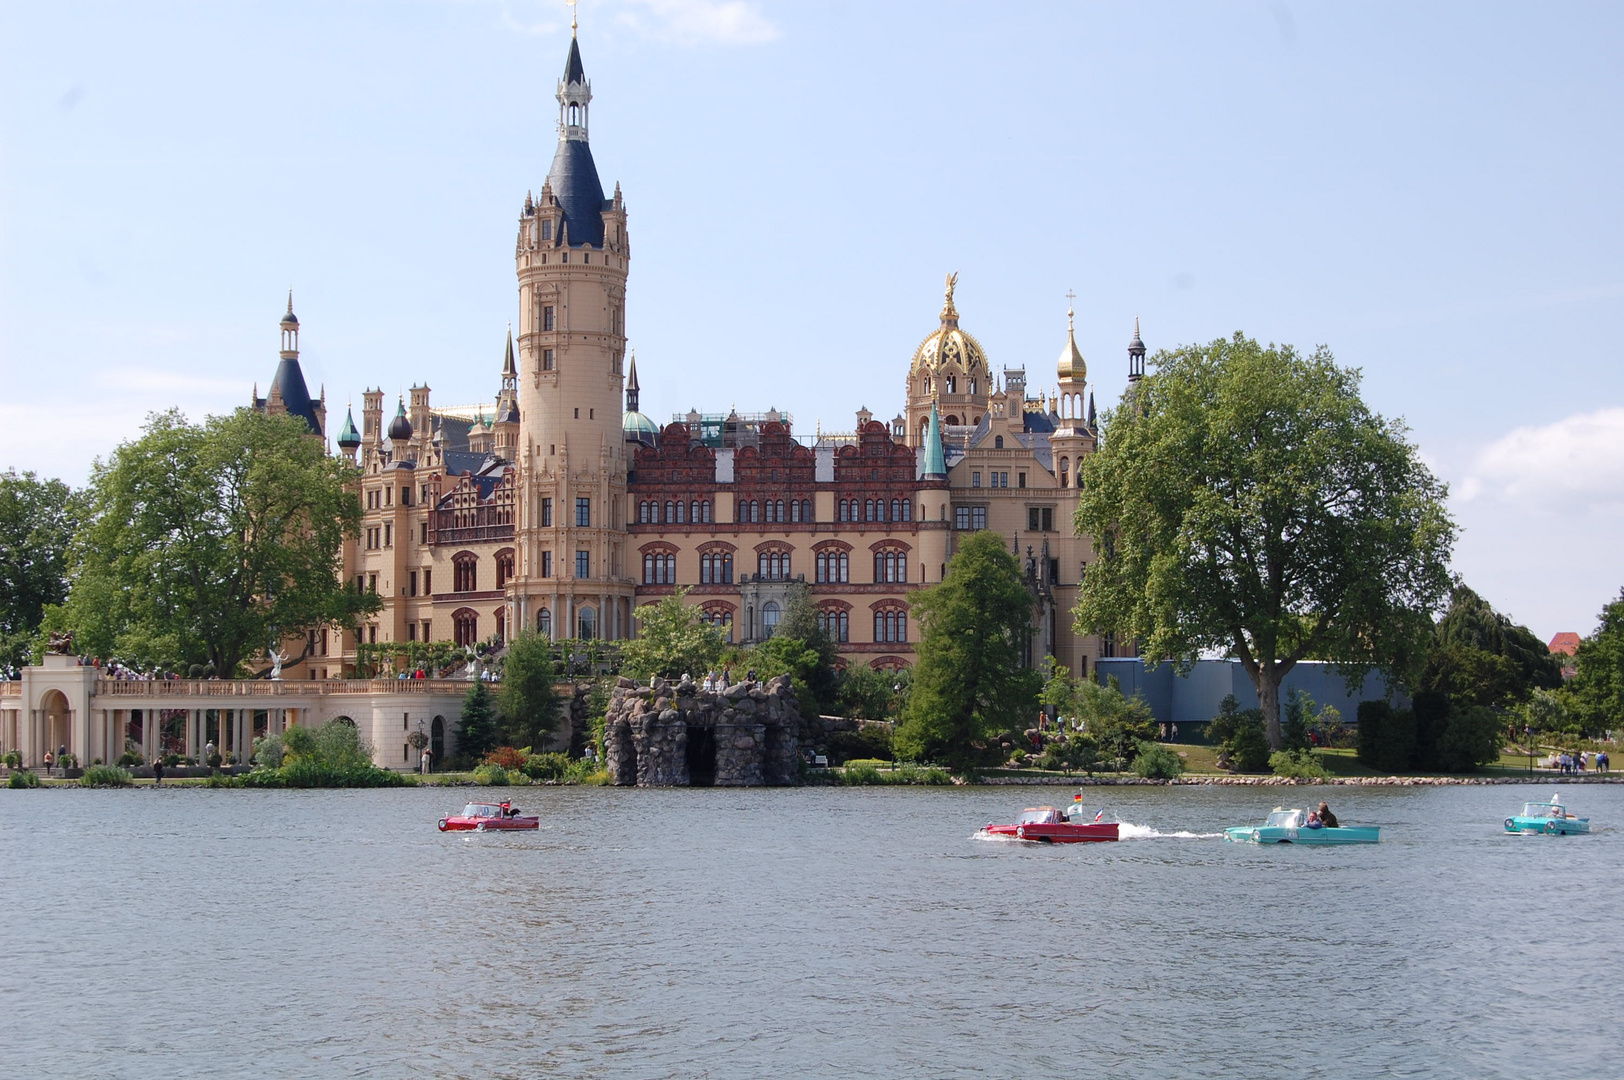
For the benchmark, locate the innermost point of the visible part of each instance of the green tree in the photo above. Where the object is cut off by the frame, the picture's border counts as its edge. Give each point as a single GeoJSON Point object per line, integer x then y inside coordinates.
{"type": "Point", "coordinates": [1238, 734]}
{"type": "Point", "coordinates": [37, 522]}
{"type": "Point", "coordinates": [969, 682]}
{"type": "Point", "coordinates": [671, 640]}
{"type": "Point", "coordinates": [1595, 694]}
{"type": "Point", "coordinates": [1479, 657]}
{"type": "Point", "coordinates": [803, 652]}
{"type": "Point", "coordinates": [476, 730]}
{"type": "Point", "coordinates": [1116, 724]}
{"type": "Point", "coordinates": [525, 702]}
{"type": "Point", "coordinates": [209, 543]}
{"type": "Point", "coordinates": [1245, 499]}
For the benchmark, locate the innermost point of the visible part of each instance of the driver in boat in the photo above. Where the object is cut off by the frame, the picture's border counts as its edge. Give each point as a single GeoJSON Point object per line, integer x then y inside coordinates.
{"type": "Point", "coordinates": [1314, 821]}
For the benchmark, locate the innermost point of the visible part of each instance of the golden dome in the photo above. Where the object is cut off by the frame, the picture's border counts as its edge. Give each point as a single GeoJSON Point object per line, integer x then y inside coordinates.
{"type": "Point", "coordinates": [947, 348]}
{"type": "Point", "coordinates": [1071, 365]}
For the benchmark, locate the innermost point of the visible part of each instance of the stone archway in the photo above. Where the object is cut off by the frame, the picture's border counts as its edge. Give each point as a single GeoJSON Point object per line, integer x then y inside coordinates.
{"type": "Point", "coordinates": [56, 722]}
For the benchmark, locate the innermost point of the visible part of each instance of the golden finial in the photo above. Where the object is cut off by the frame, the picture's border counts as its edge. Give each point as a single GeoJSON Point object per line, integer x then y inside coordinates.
{"type": "Point", "coordinates": [1070, 297]}
{"type": "Point", "coordinates": [573, 23]}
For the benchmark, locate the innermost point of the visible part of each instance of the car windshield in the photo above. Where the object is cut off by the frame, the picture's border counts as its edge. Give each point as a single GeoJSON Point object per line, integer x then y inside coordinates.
{"type": "Point", "coordinates": [1284, 819]}
{"type": "Point", "coordinates": [475, 809]}
{"type": "Point", "coordinates": [1043, 815]}
{"type": "Point", "coordinates": [1542, 809]}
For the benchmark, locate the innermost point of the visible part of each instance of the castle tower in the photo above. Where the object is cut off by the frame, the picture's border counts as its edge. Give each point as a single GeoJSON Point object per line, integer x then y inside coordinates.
{"type": "Point", "coordinates": [949, 369]}
{"type": "Point", "coordinates": [571, 259]}
{"type": "Point", "coordinates": [1136, 355]}
{"type": "Point", "coordinates": [1072, 437]}
{"type": "Point", "coordinates": [289, 393]}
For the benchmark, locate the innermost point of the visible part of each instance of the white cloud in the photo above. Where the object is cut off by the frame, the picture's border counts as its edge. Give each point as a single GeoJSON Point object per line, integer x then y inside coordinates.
{"type": "Point", "coordinates": [690, 22]}
{"type": "Point", "coordinates": [1577, 461]}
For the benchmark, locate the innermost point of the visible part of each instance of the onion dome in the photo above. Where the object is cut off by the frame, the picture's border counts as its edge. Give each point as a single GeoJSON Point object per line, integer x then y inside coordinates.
{"type": "Point", "coordinates": [948, 349]}
{"type": "Point", "coordinates": [349, 438]}
{"type": "Point", "coordinates": [1072, 365]}
{"type": "Point", "coordinates": [400, 428]}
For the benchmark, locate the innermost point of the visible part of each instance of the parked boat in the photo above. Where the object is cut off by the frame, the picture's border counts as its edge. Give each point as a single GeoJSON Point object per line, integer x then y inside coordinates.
{"type": "Point", "coordinates": [1548, 819]}
{"type": "Point", "coordinates": [1049, 825]}
{"type": "Point", "coordinates": [1296, 827]}
{"type": "Point", "coordinates": [484, 817]}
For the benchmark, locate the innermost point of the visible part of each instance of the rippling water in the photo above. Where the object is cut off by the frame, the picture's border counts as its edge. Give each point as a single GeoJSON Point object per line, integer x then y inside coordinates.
{"type": "Point", "coordinates": [815, 932]}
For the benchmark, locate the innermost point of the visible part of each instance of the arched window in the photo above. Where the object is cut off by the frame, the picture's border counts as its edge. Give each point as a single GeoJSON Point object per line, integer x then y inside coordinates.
{"type": "Point", "coordinates": [891, 625]}
{"type": "Point", "coordinates": [716, 568]}
{"type": "Point", "coordinates": [465, 626]}
{"type": "Point", "coordinates": [998, 442]}
{"type": "Point", "coordinates": [890, 565]}
{"type": "Point", "coordinates": [907, 509]}
{"type": "Point", "coordinates": [501, 624]}
{"type": "Point", "coordinates": [464, 572]}
{"type": "Point", "coordinates": [833, 567]}
{"type": "Point", "coordinates": [755, 511]}
{"type": "Point", "coordinates": [806, 509]}
{"type": "Point", "coordinates": [586, 624]}
{"type": "Point", "coordinates": [769, 618]}
{"type": "Point", "coordinates": [773, 565]}
{"type": "Point", "coordinates": [544, 623]}
{"type": "Point", "coordinates": [659, 568]}
{"type": "Point", "coordinates": [1065, 472]}
{"type": "Point", "coordinates": [504, 567]}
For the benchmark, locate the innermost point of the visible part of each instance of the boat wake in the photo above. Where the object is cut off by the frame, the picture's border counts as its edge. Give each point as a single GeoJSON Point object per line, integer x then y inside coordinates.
{"type": "Point", "coordinates": [1129, 831]}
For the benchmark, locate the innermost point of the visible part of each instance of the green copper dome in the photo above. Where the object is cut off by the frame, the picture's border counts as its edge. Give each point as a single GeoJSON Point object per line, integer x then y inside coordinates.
{"type": "Point", "coordinates": [639, 428]}
{"type": "Point", "coordinates": [349, 437]}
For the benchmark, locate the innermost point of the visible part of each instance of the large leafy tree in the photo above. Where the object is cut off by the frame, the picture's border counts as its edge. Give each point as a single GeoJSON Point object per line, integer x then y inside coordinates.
{"type": "Point", "coordinates": [208, 543]}
{"type": "Point", "coordinates": [969, 683]}
{"type": "Point", "coordinates": [1595, 694]}
{"type": "Point", "coordinates": [527, 706]}
{"type": "Point", "coordinates": [37, 522]}
{"type": "Point", "coordinates": [1479, 657]}
{"type": "Point", "coordinates": [799, 649]}
{"type": "Point", "coordinates": [1246, 500]}
{"type": "Point", "coordinates": [671, 640]}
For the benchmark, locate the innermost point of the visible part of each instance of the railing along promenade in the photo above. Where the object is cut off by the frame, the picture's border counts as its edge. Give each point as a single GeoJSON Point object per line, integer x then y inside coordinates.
{"type": "Point", "coordinates": [270, 688]}
{"type": "Point", "coordinates": [10, 688]}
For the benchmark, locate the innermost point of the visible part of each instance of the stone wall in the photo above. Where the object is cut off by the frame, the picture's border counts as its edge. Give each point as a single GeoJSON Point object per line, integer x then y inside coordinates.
{"type": "Point", "coordinates": [678, 735]}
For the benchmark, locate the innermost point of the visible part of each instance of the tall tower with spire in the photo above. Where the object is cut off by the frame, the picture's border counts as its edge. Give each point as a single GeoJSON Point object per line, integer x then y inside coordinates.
{"type": "Point", "coordinates": [572, 574]}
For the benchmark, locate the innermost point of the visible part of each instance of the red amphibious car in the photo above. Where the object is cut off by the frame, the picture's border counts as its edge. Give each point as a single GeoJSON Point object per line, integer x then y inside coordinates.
{"type": "Point", "coordinates": [481, 817]}
{"type": "Point", "coordinates": [1047, 825]}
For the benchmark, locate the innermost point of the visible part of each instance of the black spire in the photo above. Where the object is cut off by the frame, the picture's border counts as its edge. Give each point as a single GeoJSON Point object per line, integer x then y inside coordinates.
{"type": "Point", "coordinates": [574, 175]}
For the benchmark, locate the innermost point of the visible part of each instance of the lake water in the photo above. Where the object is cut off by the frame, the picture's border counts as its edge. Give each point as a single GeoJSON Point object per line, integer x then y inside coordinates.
{"type": "Point", "coordinates": [811, 932]}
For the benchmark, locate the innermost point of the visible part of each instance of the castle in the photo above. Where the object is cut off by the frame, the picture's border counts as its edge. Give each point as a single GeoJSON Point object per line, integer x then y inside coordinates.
{"type": "Point", "coordinates": [561, 507]}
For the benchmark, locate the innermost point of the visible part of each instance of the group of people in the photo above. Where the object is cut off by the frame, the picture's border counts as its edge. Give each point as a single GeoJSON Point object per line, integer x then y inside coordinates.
{"type": "Point", "coordinates": [715, 681]}
{"type": "Point", "coordinates": [1574, 764]}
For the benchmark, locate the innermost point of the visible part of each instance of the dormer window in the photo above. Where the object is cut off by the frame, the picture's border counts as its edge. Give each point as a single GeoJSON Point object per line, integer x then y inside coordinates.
{"type": "Point", "coordinates": [547, 230]}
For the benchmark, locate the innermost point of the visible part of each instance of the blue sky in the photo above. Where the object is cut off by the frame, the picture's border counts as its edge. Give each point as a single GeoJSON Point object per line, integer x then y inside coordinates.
{"type": "Point", "coordinates": [1430, 190]}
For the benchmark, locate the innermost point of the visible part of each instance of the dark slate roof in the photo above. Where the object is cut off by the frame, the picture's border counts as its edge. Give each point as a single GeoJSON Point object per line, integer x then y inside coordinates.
{"type": "Point", "coordinates": [573, 71]}
{"type": "Point", "coordinates": [1036, 421]}
{"type": "Point", "coordinates": [575, 184]}
{"type": "Point", "coordinates": [290, 383]}
{"type": "Point", "coordinates": [458, 462]}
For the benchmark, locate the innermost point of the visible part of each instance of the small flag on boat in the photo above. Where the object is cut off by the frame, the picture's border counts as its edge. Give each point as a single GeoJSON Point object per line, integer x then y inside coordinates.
{"type": "Point", "coordinates": [1099, 815]}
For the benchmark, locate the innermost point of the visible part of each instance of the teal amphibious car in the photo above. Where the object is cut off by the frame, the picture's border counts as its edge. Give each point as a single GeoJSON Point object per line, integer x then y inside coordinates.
{"type": "Point", "coordinates": [1548, 819]}
{"type": "Point", "coordinates": [1292, 827]}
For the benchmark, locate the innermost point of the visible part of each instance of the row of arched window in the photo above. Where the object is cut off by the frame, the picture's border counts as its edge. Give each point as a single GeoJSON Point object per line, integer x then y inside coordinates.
{"type": "Point", "coordinates": [890, 626]}
{"type": "Point", "coordinates": [836, 625]}
{"type": "Point", "coordinates": [674, 512]}
{"type": "Point", "coordinates": [875, 510]}
{"type": "Point", "coordinates": [834, 567]}
{"type": "Point", "coordinates": [773, 510]}
{"type": "Point", "coordinates": [774, 566]}
{"type": "Point", "coordinates": [659, 569]}
{"type": "Point", "coordinates": [716, 568]}
{"type": "Point", "coordinates": [890, 566]}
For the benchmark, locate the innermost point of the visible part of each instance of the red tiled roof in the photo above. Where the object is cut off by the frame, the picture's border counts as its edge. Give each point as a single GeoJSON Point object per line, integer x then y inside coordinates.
{"type": "Point", "coordinates": [1567, 643]}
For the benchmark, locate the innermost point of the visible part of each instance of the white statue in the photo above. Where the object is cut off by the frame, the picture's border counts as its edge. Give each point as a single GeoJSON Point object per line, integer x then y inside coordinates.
{"type": "Point", "coordinates": [277, 659]}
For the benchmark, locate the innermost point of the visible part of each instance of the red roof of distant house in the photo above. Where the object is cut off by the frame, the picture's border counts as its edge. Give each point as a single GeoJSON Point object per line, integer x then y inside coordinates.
{"type": "Point", "coordinates": [1567, 643]}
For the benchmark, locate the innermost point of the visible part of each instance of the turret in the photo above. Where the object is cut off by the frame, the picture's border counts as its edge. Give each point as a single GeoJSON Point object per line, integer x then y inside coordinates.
{"type": "Point", "coordinates": [349, 439]}
{"type": "Point", "coordinates": [1136, 355]}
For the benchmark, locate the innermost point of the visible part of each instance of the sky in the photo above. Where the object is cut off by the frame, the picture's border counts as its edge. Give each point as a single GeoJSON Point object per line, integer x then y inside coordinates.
{"type": "Point", "coordinates": [1430, 190]}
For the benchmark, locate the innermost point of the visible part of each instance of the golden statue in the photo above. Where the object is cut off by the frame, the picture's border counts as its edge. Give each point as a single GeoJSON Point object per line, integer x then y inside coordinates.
{"type": "Point", "coordinates": [948, 310]}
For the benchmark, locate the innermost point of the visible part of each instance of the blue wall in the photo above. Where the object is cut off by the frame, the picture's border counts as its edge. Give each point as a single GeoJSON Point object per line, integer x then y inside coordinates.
{"type": "Point", "coordinates": [1194, 698]}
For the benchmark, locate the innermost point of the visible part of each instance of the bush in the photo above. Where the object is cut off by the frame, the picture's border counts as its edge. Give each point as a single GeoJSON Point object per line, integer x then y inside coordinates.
{"type": "Point", "coordinates": [590, 773]}
{"type": "Point", "coordinates": [862, 772]}
{"type": "Point", "coordinates": [544, 766]}
{"type": "Point", "coordinates": [106, 776]}
{"type": "Point", "coordinates": [1471, 738]}
{"type": "Point", "coordinates": [1300, 764]}
{"type": "Point", "coordinates": [13, 759]}
{"type": "Point", "coordinates": [268, 751]}
{"type": "Point", "coordinates": [1069, 753]}
{"type": "Point", "coordinates": [130, 758]}
{"type": "Point", "coordinates": [1387, 737]}
{"type": "Point", "coordinates": [507, 757]}
{"type": "Point", "coordinates": [1157, 762]}
{"type": "Point", "coordinates": [869, 741]}
{"type": "Point", "coordinates": [22, 778]}
{"type": "Point", "coordinates": [491, 776]}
